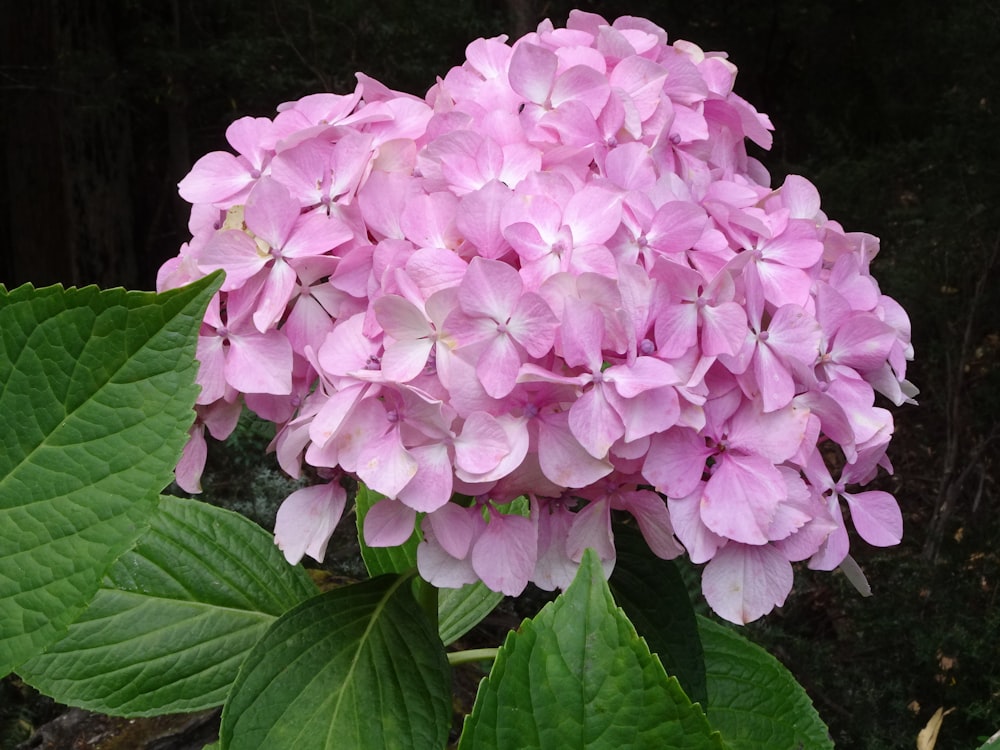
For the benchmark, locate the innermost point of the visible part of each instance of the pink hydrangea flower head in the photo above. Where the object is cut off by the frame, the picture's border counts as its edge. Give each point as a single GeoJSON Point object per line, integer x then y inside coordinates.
{"type": "Point", "coordinates": [558, 276]}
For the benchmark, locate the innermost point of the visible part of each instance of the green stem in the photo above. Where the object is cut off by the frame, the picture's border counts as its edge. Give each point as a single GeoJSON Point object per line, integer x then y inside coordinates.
{"type": "Point", "coordinates": [473, 654]}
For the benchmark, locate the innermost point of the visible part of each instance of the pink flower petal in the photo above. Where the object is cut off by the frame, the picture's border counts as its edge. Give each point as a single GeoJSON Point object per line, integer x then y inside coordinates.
{"type": "Point", "coordinates": [504, 555]}
{"type": "Point", "coordinates": [260, 363]}
{"type": "Point", "coordinates": [482, 444]}
{"type": "Point", "coordinates": [192, 463]}
{"type": "Point", "coordinates": [741, 498]}
{"type": "Point", "coordinates": [742, 583]}
{"type": "Point", "coordinates": [388, 523]}
{"type": "Point", "coordinates": [676, 461]}
{"type": "Point", "coordinates": [271, 212]}
{"type": "Point", "coordinates": [532, 72]}
{"type": "Point", "coordinates": [651, 513]}
{"type": "Point", "coordinates": [214, 178]}
{"type": "Point", "coordinates": [431, 486]}
{"type": "Point", "coordinates": [563, 460]}
{"type": "Point", "coordinates": [306, 521]}
{"type": "Point", "coordinates": [877, 517]}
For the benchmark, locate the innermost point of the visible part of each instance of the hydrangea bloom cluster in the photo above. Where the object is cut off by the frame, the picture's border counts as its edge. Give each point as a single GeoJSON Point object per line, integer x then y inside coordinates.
{"type": "Point", "coordinates": [558, 276]}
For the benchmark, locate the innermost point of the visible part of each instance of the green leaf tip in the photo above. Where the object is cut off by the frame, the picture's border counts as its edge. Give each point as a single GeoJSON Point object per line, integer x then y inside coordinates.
{"type": "Point", "coordinates": [577, 675]}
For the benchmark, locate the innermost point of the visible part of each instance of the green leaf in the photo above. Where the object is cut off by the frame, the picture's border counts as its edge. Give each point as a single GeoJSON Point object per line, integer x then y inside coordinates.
{"type": "Point", "coordinates": [356, 667]}
{"type": "Point", "coordinates": [95, 403]}
{"type": "Point", "coordinates": [175, 616]}
{"type": "Point", "coordinates": [578, 676]}
{"type": "Point", "coordinates": [382, 560]}
{"type": "Point", "coordinates": [460, 610]}
{"type": "Point", "coordinates": [656, 600]}
{"type": "Point", "coordinates": [752, 699]}
{"type": "Point", "coordinates": [992, 742]}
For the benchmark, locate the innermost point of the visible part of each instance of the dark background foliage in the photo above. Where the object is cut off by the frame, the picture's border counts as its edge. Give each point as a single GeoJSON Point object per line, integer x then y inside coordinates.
{"type": "Point", "coordinates": [890, 107]}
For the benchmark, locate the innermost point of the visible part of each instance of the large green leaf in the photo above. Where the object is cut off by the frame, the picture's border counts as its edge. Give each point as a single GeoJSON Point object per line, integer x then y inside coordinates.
{"type": "Point", "coordinates": [356, 667]}
{"type": "Point", "coordinates": [578, 676]}
{"type": "Point", "coordinates": [96, 390]}
{"type": "Point", "coordinates": [752, 699]}
{"type": "Point", "coordinates": [174, 617]}
{"type": "Point", "coordinates": [653, 595]}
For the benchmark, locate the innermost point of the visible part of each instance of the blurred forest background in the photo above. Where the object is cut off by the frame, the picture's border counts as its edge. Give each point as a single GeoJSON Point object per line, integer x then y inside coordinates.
{"type": "Point", "coordinates": [891, 107]}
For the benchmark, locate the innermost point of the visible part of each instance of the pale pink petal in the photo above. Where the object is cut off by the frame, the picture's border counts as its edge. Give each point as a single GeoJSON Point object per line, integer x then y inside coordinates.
{"type": "Point", "coordinates": [478, 218]}
{"type": "Point", "coordinates": [647, 413]}
{"type": "Point", "coordinates": [192, 463]}
{"type": "Point", "coordinates": [274, 296]}
{"type": "Point", "coordinates": [593, 214]}
{"type": "Point", "coordinates": [863, 342]}
{"type": "Point", "coordinates": [498, 365]}
{"type": "Point", "coordinates": [235, 253]}
{"type": "Point", "coordinates": [260, 363]}
{"type": "Point", "coordinates": [650, 511]}
{"type": "Point", "coordinates": [210, 354]}
{"type": "Point", "coordinates": [214, 178]}
{"type": "Point", "coordinates": [400, 318]}
{"type": "Point", "coordinates": [677, 329]}
{"type": "Point", "coordinates": [316, 233]}
{"type": "Point", "coordinates": [306, 521]}
{"type": "Point", "coordinates": [835, 548]}
{"type": "Point", "coordinates": [250, 136]}
{"type": "Point", "coordinates": [454, 528]}
{"type": "Point", "coordinates": [533, 324]}
{"type": "Point", "coordinates": [795, 334]}
{"type": "Point", "coordinates": [801, 197]}
{"type": "Point", "coordinates": [482, 444]}
{"type": "Point", "coordinates": [591, 528]}
{"type": "Point", "coordinates": [594, 423]}
{"type": "Point", "coordinates": [685, 519]}
{"type": "Point", "coordinates": [490, 289]}
{"type": "Point", "coordinates": [676, 461]}
{"type": "Point", "coordinates": [797, 246]}
{"type": "Point", "coordinates": [532, 72]}
{"type": "Point", "coordinates": [777, 387]}
{"type": "Point", "coordinates": [582, 84]}
{"type": "Point", "coordinates": [643, 374]}
{"type": "Point", "coordinates": [775, 435]}
{"type": "Point", "coordinates": [742, 583]}
{"type": "Point", "coordinates": [385, 465]}
{"type": "Point", "coordinates": [553, 568]}
{"type": "Point", "coordinates": [431, 486]}
{"type": "Point", "coordinates": [580, 334]}
{"type": "Point", "coordinates": [404, 360]}
{"type": "Point", "coordinates": [271, 212]}
{"type": "Point", "coordinates": [677, 226]}
{"type": "Point", "coordinates": [876, 516]}
{"type": "Point", "coordinates": [642, 79]}
{"type": "Point", "coordinates": [429, 220]}
{"type": "Point", "coordinates": [436, 565]}
{"type": "Point", "coordinates": [388, 524]}
{"type": "Point", "coordinates": [563, 460]}
{"type": "Point", "coordinates": [504, 555]}
{"type": "Point", "coordinates": [723, 329]}
{"type": "Point", "coordinates": [741, 498]}
{"type": "Point", "coordinates": [302, 169]}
